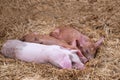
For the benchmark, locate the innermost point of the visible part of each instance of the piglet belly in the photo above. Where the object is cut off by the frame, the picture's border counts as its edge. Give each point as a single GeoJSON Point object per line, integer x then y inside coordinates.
{"type": "Point", "coordinates": [32, 54]}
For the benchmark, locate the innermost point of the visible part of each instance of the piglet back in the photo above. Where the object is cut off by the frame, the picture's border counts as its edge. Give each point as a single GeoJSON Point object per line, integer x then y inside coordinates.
{"type": "Point", "coordinates": [10, 48]}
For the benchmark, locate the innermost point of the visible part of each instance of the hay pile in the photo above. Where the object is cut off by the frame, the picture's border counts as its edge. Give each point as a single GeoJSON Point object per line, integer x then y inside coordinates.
{"type": "Point", "coordinates": [94, 18]}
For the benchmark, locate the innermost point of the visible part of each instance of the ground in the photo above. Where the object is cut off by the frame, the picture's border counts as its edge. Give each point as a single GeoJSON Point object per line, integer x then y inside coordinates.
{"type": "Point", "coordinates": [94, 18]}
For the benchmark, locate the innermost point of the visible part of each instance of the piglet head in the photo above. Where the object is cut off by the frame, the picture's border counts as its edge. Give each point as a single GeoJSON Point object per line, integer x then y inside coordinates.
{"type": "Point", "coordinates": [80, 55]}
{"type": "Point", "coordinates": [76, 61]}
{"type": "Point", "coordinates": [89, 48]}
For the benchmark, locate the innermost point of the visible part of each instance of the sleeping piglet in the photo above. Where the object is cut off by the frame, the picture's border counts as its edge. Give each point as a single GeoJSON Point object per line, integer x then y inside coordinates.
{"type": "Point", "coordinates": [45, 39]}
{"type": "Point", "coordinates": [39, 53]}
{"type": "Point", "coordinates": [49, 40]}
{"type": "Point", "coordinates": [75, 38]}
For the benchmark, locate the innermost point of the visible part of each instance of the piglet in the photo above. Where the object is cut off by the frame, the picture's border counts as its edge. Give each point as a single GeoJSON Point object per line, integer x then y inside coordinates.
{"type": "Point", "coordinates": [45, 39]}
{"type": "Point", "coordinates": [49, 40]}
{"type": "Point", "coordinates": [75, 38]}
{"type": "Point", "coordinates": [39, 53]}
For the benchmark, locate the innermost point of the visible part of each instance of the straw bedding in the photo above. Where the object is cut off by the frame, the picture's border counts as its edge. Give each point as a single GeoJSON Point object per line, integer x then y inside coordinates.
{"type": "Point", "coordinates": [94, 18]}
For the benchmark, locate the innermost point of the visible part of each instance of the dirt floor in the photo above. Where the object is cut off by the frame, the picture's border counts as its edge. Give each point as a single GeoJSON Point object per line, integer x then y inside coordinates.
{"type": "Point", "coordinates": [94, 18]}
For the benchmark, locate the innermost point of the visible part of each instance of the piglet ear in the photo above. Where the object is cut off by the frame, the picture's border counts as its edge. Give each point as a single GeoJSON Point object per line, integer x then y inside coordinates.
{"type": "Point", "coordinates": [56, 32]}
{"type": "Point", "coordinates": [99, 42]}
{"type": "Point", "coordinates": [65, 63]}
{"type": "Point", "coordinates": [36, 33]}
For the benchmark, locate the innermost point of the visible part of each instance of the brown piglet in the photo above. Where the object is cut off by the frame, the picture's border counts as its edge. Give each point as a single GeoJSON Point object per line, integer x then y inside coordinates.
{"type": "Point", "coordinates": [76, 39]}
{"type": "Point", "coordinates": [45, 39]}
